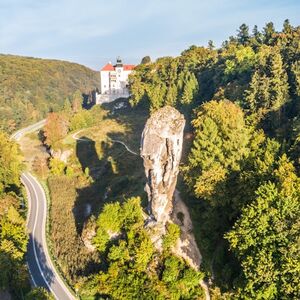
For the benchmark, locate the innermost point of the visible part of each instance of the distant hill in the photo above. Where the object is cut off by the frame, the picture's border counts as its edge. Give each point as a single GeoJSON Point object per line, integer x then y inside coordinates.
{"type": "Point", "coordinates": [30, 87]}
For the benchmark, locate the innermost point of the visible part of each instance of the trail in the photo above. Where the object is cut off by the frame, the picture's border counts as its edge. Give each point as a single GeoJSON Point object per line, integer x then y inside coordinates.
{"type": "Point", "coordinates": [74, 136]}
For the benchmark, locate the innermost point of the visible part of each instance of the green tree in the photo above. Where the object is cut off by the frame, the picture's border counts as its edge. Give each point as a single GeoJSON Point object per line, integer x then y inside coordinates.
{"type": "Point", "coordinates": [171, 237]}
{"type": "Point", "coordinates": [266, 238]}
{"type": "Point", "coordinates": [146, 60]}
{"type": "Point", "coordinates": [220, 144]}
{"type": "Point", "coordinates": [13, 244]}
{"type": "Point", "coordinates": [243, 34]}
{"type": "Point", "coordinates": [296, 73]}
{"type": "Point", "coordinates": [269, 33]}
{"type": "Point", "coordinates": [269, 88]}
{"type": "Point", "coordinates": [134, 266]}
{"type": "Point", "coordinates": [10, 163]}
{"type": "Point", "coordinates": [287, 28]}
{"type": "Point", "coordinates": [82, 119]}
{"type": "Point", "coordinates": [39, 293]}
{"type": "Point", "coordinates": [257, 36]}
{"type": "Point", "coordinates": [67, 107]}
{"type": "Point", "coordinates": [210, 45]}
{"type": "Point", "coordinates": [57, 167]}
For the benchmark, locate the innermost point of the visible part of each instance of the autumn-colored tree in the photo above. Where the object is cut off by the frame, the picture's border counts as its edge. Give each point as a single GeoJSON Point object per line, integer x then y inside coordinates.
{"type": "Point", "coordinates": [55, 130]}
{"type": "Point", "coordinates": [77, 101]}
{"type": "Point", "coordinates": [40, 166]}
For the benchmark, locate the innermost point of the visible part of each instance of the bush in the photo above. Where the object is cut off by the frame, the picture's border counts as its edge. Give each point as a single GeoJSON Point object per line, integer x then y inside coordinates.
{"type": "Point", "coordinates": [171, 237]}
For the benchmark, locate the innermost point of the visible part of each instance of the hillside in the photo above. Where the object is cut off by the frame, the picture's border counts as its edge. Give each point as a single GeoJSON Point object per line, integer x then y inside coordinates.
{"type": "Point", "coordinates": [31, 87]}
{"type": "Point", "coordinates": [239, 177]}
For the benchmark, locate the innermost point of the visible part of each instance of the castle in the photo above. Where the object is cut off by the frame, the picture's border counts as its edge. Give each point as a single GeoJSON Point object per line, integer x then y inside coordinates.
{"type": "Point", "coordinates": [114, 81]}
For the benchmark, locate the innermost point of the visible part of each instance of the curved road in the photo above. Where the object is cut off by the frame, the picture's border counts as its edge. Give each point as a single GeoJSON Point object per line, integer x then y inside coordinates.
{"type": "Point", "coordinates": [41, 268]}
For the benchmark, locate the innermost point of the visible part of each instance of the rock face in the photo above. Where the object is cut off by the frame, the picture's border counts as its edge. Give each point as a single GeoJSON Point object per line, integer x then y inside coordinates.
{"type": "Point", "coordinates": [161, 147]}
{"type": "Point", "coordinates": [61, 155]}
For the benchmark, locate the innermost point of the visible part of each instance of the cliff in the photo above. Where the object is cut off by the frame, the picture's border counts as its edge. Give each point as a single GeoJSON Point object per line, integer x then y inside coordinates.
{"type": "Point", "coordinates": [161, 147]}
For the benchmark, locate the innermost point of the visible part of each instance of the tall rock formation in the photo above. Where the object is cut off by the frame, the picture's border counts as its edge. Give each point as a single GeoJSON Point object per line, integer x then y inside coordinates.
{"type": "Point", "coordinates": [161, 147]}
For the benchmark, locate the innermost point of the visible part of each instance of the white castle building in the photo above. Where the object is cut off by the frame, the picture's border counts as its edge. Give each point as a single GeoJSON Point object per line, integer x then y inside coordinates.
{"type": "Point", "coordinates": [114, 81]}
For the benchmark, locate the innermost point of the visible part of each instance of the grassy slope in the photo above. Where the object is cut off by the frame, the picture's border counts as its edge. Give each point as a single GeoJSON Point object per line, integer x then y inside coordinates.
{"type": "Point", "coordinates": [30, 87]}
{"type": "Point", "coordinates": [116, 175]}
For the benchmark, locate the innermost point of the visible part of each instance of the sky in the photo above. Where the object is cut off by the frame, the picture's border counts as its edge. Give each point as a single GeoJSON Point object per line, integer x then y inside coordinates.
{"type": "Point", "coordinates": [93, 32]}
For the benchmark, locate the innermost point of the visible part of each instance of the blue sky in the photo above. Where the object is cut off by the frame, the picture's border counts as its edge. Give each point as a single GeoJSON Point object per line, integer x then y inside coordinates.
{"type": "Point", "coordinates": [93, 32]}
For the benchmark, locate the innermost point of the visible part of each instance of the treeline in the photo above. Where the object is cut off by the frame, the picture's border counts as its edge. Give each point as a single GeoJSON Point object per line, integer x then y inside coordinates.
{"type": "Point", "coordinates": [31, 87]}
{"type": "Point", "coordinates": [241, 174]}
{"type": "Point", "coordinates": [14, 275]}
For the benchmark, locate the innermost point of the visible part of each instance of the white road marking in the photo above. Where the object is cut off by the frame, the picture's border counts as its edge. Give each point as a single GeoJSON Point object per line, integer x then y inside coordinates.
{"type": "Point", "coordinates": [31, 276]}
{"type": "Point", "coordinates": [33, 234]}
{"type": "Point", "coordinates": [45, 248]}
{"type": "Point", "coordinates": [16, 136]}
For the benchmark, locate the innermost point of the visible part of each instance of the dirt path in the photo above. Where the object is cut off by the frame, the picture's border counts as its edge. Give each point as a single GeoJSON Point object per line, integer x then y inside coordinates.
{"type": "Point", "coordinates": [74, 136]}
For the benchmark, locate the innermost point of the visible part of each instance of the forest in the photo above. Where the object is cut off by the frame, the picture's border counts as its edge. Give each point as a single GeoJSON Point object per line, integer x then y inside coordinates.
{"type": "Point", "coordinates": [239, 177]}
{"type": "Point", "coordinates": [32, 87]}
{"type": "Point", "coordinates": [241, 174]}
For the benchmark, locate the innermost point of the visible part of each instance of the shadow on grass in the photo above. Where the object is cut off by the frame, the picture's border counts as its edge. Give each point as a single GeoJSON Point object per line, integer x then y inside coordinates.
{"type": "Point", "coordinates": [116, 176]}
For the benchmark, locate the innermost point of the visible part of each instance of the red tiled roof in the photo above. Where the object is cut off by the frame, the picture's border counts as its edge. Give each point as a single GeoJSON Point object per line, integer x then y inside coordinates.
{"type": "Point", "coordinates": [108, 67]}
{"type": "Point", "coordinates": [128, 67]}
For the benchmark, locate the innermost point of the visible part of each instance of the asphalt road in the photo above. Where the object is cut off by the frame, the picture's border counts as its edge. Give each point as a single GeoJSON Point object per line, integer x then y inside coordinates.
{"type": "Point", "coordinates": [41, 268]}
{"type": "Point", "coordinates": [18, 134]}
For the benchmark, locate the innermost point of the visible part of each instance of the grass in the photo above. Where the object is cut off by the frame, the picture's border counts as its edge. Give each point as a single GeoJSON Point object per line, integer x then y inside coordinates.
{"type": "Point", "coordinates": [115, 173]}
{"type": "Point", "coordinates": [31, 148]}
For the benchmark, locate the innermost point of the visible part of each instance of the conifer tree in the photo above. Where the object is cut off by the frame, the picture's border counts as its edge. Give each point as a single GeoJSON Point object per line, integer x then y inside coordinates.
{"type": "Point", "coordinates": [243, 34]}
{"type": "Point", "coordinates": [266, 238]}
{"type": "Point", "coordinates": [268, 33]}
{"type": "Point", "coordinates": [220, 143]}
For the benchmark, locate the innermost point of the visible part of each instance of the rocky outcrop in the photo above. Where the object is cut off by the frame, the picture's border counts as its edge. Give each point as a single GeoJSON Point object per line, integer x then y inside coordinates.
{"type": "Point", "coordinates": [186, 247]}
{"type": "Point", "coordinates": [161, 147]}
{"type": "Point", "coordinates": [60, 154]}
{"type": "Point", "coordinates": [88, 233]}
